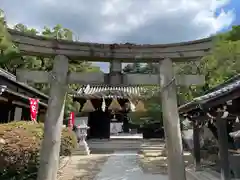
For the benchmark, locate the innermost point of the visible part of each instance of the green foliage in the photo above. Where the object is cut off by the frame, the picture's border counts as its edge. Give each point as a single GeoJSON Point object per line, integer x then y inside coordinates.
{"type": "Point", "coordinates": [68, 142]}
{"type": "Point", "coordinates": [141, 68]}
{"type": "Point", "coordinates": [232, 35]}
{"type": "Point", "coordinates": [152, 105]}
{"type": "Point", "coordinates": [222, 63]}
{"type": "Point", "coordinates": [7, 48]}
{"type": "Point", "coordinates": [19, 154]}
{"type": "Point", "coordinates": [10, 59]}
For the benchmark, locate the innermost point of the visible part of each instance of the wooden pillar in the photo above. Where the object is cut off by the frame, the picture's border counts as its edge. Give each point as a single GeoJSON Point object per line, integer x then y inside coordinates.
{"type": "Point", "coordinates": [11, 111]}
{"type": "Point", "coordinates": [176, 166]}
{"type": "Point", "coordinates": [49, 155]}
{"type": "Point", "coordinates": [18, 113]}
{"type": "Point", "coordinates": [223, 148]}
{"type": "Point", "coordinates": [196, 146]}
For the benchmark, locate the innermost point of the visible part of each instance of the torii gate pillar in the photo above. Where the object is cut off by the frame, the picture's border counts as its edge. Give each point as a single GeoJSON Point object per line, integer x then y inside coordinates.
{"type": "Point", "coordinates": [115, 74]}
{"type": "Point", "coordinates": [171, 122]}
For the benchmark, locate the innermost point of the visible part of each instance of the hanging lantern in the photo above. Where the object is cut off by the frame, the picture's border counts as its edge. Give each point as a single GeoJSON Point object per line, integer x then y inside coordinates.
{"type": "Point", "coordinates": [115, 105]}
{"type": "Point", "coordinates": [132, 106]}
{"type": "Point", "coordinates": [103, 105]}
{"type": "Point", "coordinates": [88, 107]}
{"type": "Point", "coordinates": [237, 120]}
{"type": "Point", "coordinates": [140, 106]}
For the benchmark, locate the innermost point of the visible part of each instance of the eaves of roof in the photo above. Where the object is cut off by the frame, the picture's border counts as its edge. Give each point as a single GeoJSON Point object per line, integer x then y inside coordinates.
{"type": "Point", "coordinates": [104, 91]}
{"type": "Point", "coordinates": [218, 92]}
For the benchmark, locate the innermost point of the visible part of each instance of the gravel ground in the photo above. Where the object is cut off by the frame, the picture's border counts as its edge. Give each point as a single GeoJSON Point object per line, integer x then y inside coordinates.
{"type": "Point", "coordinates": [82, 167]}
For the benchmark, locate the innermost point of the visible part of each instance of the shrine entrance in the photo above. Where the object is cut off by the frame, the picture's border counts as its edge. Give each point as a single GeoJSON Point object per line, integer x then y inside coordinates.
{"type": "Point", "coordinates": [99, 125]}
{"type": "Point", "coordinates": [105, 122]}
{"type": "Point", "coordinates": [59, 78]}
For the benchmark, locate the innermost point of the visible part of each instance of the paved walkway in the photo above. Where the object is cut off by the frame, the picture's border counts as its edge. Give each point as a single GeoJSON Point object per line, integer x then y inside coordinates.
{"type": "Point", "coordinates": [123, 165]}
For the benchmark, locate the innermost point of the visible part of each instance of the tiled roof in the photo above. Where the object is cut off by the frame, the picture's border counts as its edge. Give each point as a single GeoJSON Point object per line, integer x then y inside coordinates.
{"type": "Point", "coordinates": [12, 78]}
{"type": "Point", "coordinates": [223, 89]}
{"type": "Point", "coordinates": [109, 91]}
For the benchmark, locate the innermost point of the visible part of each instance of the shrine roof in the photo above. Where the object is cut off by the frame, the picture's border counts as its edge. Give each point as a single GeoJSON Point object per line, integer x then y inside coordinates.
{"type": "Point", "coordinates": [222, 93]}
{"type": "Point", "coordinates": [105, 91]}
{"type": "Point", "coordinates": [13, 79]}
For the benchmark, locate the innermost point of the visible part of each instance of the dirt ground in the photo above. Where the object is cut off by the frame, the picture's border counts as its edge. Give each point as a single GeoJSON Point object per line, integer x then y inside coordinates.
{"type": "Point", "coordinates": [82, 167]}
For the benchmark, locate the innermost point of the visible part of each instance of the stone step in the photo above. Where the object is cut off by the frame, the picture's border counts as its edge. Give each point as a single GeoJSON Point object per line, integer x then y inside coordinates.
{"type": "Point", "coordinates": [78, 152]}
{"type": "Point", "coordinates": [124, 144]}
{"type": "Point", "coordinates": [114, 142]}
{"type": "Point", "coordinates": [152, 145]}
{"type": "Point", "coordinates": [113, 147]}
{"type": "Point", "coordinates": [152, 148]}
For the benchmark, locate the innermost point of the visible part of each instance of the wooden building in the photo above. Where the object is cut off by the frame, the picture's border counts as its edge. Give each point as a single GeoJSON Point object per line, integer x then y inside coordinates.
{"type": "Point", "coordinates": [14, 99]}
{"type": "Point", "coordinates": [100, 120]}
{"type": "Point", "coordinates": [218, 110]}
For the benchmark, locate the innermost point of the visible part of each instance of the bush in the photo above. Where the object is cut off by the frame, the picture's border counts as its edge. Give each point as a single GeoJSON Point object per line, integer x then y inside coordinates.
{"type": "Point", "coordinates": [68, 142]}
{"type": "Point", "coordinates": [19, 149]}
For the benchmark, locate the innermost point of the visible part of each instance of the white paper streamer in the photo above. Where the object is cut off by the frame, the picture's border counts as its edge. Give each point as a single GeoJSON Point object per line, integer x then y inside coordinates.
{"type": "Point", "coordinates": [225, 114]}
{"type": "Point", "coordinates": [103, 105]}
{"type": "Point", "coordinates": [237, 120]}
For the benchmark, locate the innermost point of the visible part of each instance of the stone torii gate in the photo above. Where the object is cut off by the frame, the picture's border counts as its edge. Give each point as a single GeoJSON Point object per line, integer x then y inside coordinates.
{"type": "Point", "coordinates": [116, 54]}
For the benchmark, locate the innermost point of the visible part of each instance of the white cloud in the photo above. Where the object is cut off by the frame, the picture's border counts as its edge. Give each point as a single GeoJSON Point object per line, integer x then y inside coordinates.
{"type": "Point", "coordinates": [137, 21]}
{"type": "Point", "coordinates": [134, 21]}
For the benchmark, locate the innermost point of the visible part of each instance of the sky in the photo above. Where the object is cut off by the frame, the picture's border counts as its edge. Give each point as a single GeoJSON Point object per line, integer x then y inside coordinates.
{"type": "Point", "coordinates": [133, 21]}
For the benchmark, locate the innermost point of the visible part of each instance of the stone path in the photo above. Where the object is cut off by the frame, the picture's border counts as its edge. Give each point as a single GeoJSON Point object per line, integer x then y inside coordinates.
{"type": "Point", "coordinates": [123, 165]}
{"type": "Point", "coordinates": [81, 167]}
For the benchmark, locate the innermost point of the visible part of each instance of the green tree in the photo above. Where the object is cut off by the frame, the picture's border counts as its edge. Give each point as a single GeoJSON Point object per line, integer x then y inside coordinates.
{"type": "Point", "coordinates": [133, 68]}
{"type": "Point", "coordinates": [222, 63]}
{"type": "Point", "coordinates": [232, 35]}
{"type": "Point", "coordinates": [58, 32]}
{"type": "Point", "coordinates": [144, 68]}
{"type": "Point", "coordinates": [7, 48]}
{"type": "Point", "coordinates": [11, 63]}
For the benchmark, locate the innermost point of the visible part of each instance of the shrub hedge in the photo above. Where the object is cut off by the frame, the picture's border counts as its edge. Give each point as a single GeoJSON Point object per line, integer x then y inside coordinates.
{"type": "Point", "coordinates": [19, 149]}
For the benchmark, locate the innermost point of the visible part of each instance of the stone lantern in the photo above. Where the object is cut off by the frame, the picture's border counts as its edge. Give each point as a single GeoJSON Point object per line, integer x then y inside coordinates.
{"type": "Point", "coordinates": [82, 134]}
